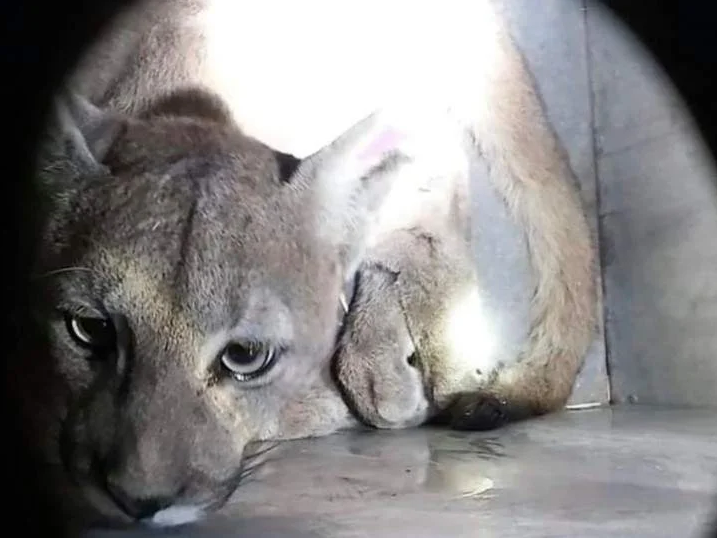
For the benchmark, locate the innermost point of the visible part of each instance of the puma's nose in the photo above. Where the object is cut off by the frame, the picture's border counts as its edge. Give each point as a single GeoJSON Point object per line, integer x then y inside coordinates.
{"type": "Point", "coordinates": [137, 508]}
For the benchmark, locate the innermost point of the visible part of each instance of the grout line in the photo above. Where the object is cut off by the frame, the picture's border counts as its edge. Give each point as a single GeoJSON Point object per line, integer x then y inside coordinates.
{"type": "Point", "coordinates": [677, 127]}
{"type": "Point", "coordinates": [598, 198]}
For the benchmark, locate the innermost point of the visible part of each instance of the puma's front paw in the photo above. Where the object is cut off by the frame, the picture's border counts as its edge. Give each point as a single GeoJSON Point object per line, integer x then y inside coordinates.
{"type": "Point", "coordinates": [385, 394]}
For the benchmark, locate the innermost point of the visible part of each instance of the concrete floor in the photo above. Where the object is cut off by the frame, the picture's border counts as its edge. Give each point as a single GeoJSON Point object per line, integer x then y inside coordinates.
{"type": "Point", "coordinates": [633, 471]}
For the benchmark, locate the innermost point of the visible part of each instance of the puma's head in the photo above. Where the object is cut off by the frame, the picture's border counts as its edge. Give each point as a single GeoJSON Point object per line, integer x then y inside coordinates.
{"type": "Point", "coordinates": [184, 291]}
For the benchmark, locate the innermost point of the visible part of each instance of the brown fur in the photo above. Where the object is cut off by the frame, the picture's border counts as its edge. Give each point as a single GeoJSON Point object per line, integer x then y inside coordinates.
{"type": "Point", "coordinates": [531, 170]}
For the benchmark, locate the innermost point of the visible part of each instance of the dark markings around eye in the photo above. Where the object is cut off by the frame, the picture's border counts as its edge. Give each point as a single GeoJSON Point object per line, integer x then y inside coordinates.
{"type": "Point", "coordinates": [287, 166]}
{"type": "Point", "coordinates": [91, 332]}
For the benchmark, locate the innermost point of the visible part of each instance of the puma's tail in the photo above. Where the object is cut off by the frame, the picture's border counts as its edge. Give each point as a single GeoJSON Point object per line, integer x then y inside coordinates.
{"type": "Point", "coordinates": [530, 170]}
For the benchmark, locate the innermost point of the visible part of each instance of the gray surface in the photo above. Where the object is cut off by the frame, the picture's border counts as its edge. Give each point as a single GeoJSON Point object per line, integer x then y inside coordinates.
{"type": "Point", "coordinates": [658, 216]}
{"type": "Point", "coordinates": [595, 473]}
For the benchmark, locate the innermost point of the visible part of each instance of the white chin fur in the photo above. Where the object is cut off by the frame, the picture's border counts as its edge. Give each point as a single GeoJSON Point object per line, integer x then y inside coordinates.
{"type": "Point", "coordinates": [175, 516]}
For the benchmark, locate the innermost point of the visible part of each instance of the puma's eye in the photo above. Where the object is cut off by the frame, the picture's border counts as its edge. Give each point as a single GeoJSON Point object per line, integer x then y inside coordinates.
{"type": "Point", "coordinates": [90, 332]}
{"type": "Point", "coordinates": [247, 361]}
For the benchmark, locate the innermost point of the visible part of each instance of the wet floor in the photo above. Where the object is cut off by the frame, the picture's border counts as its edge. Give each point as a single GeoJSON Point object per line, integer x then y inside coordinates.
{"type": "Point", "coordinates": [634, 472]}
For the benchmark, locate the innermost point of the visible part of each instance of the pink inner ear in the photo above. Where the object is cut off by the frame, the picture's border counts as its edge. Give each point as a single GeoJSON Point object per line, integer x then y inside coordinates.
{"type": "Point", "coordinates": [387, 140]}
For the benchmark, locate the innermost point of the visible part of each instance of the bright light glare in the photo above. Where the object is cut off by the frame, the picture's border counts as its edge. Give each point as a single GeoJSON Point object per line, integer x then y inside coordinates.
{"type": "Point", "coordinates": [298, 74]}
{"type": "Point", "coordinates": [472, 341]}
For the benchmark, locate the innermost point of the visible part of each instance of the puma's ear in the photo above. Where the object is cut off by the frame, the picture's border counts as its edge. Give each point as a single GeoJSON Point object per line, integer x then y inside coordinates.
{"type": "Point", "coordinates": [288, 164]}
{"type": "Point", "coordinates": [79, 134]}
{"type": "Point", "coordinates": [348, 181]}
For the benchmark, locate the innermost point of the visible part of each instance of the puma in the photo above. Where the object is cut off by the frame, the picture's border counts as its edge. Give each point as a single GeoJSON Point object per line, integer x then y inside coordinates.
{"type": "Point", "coordinates": [184, 287]}
{"type": "Point", "coordinates": [190, 268]}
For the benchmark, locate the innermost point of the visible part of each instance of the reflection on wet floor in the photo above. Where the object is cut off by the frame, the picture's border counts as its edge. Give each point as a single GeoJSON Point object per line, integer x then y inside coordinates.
{"type": "Point", "coordinates": [609, 472]}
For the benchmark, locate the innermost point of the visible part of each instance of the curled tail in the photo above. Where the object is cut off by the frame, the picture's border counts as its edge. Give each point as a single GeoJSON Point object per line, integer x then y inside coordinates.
{"type": "Point", "coordinates": [531, 172]}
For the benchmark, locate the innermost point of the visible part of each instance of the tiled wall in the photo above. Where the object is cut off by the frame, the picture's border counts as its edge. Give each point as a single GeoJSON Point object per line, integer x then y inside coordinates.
{"type": "Point", "coordinates": [649, 186]}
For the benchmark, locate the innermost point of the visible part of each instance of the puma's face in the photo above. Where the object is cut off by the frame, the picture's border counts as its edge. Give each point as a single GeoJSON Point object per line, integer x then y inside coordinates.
{"type": "Point", "coordinates": [185, 290]}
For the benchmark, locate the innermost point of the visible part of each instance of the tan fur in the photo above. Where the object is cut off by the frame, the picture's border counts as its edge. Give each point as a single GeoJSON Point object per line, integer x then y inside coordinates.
{"type": "Point", "coordinates": [395, 363]}
{"type": "Point", "coordinates": [531, 171]}
{"type": "Point", "coordinates": [528, 167]}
